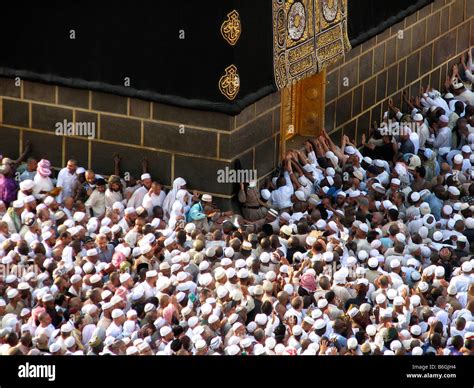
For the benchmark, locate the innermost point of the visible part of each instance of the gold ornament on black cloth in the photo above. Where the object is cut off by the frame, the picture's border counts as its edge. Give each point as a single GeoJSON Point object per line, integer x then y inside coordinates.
{"type": "Point", "coordinates": [229, 83]}
{"type": "Point", "coordinates": [231, 28]}
{"type": "Point", "coordinates": [308, 35]}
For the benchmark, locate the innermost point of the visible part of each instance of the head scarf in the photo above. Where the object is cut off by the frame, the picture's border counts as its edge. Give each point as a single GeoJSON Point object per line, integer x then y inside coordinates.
{"type": "Point", "coordinates": [44, 168]}
{"type": "Point", "coordinates": [171, 197]}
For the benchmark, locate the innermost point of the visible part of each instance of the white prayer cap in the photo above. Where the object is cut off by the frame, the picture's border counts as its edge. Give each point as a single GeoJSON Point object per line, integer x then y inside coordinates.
{"type": "Point", "coordinates": [437, 236]}
{"type": "Point", "coordinates": [232, 350]}
{"type": "Point", "coordinates": [151, 274]}
{"type": "Point", "coordinates": [415, 196]}
{"type": "Point", "coordinates": [145, 176]}
{"type": "Point", "coordinates": [270, 276]}
{"type": "Point", "coordinates": [398, 301]}
{"type": "Point", "coordinates": [320, 224]}
{"type": "Point", "coordinates": [319, 324]}
{"type": "Point", "coordinates": [322, 303]}
{"type": "Point", "coordinates": [380, 298]}
{"type": "Point", "coordinates": [466, 149]}
{"type": "Point", "coordinates": [131, 350]}
{"type": "Point", "coordinates": [96, 278]}
{"type": "Point", "coordinates": [29, 199]}
{"type": "Point", "coordinates": [27, 184]}
{"type": "Point", "coordinates": [288, 288]}
{"type": "Point", "coordinates": [453, 191]}
{"type": "Point", "coordinates": [47, 298]}
{"type": "Point", "coordinates": [418, 117]}
{"type": "Point", "coordinates": [328, 257]}
{"type": "Point", "coordinates": [91, 252]}
{"type": "Point", "coordinates": [300, 195]}
{"type": "Point", "coordinates": [415, 330]}
{"type": "Point", "coordinates": [115, 300]}
{"type": "Point", "coordinates": [466, 266]}
{"type": "Point", "coordinates": [354, 193]}
{"type": "Point", "coordinates": [230, 272]}
{"type": "Point", "coordinates": [349, 150]}
{"type": "Point", "coordinates": [458, 158]}
{"type": "Point", "coordinates": [149, 307]}
{"type": "Point", "coordinates": [415, 300]}
{"type": "Point", "coordinates": [104, 230]}
{"type": "Point", "coordinates": [117, 313]}
{"type": "Point", "coordinates": [423, 286]}
{"type": "Point", "coordinates": [165, 330]}
{"type": "Point", "coordinates": [367, 160]}
{"type": "Point", "coordinates": [395, 263]}
{"type": "Point", "coordinates": [124, 277]}
{"type": "Point", "coordinates": [270, 343]}
{"type": "Point", "coordinates": [66, 328]}
{"type": "Point", "coordinates": [12, 293]}
{"type": "Point", "coordinates": [417, 351]}
{"type": "Point", "coordinates": [395, 181]}
{"type": "Point", "coordinates": [444, 119]}
{"type": "Point", "coordinates": [79, 216]}
{"type": "Point", "coordinates": [244, 274]}
{"type": "Point", "coordinates": [439, 271]}
{"type": "Point", "coordinates": [54, 347]}
{"type": "Point", "coordinates": [352, 343]}
{"type": "Point", "coordinates": [373, 262]}
{"type": "Point", "coordinates": [266, 194]}
{"type": "Point", "coordinates": [376, 244]}
{"type": "Point", "coordinates": [362, 255]}
{"type": "Point", "coordinates": [129, 210]}
{"type": "Point", "coordinates": [203, 265]}
{"type": "Point", "coordinates": [146, 248]}
{"type": "Point", "coordinates": [265, 257]}
{"type": "Point", "coordinates": [371, 330]}
{"type": "Point", "coordinates": [46, 236]}
{"type": "Point", "coordinates": [205, 279]}
{"type": "Point", "coordinates": [76, 279]}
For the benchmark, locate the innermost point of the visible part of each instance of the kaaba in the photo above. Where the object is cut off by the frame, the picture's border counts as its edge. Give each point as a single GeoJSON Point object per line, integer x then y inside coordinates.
{"type": "Point", "coordinates": [194, 87]}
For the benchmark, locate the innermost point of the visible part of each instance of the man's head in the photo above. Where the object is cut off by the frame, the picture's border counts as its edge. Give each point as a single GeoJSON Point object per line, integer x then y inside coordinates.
{"type": "Point", "coordinates": [71, 166]}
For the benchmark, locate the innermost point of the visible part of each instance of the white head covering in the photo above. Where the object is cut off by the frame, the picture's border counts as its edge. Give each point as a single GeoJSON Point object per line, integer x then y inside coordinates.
{"type": "Point", "coordinates": [171, 196]}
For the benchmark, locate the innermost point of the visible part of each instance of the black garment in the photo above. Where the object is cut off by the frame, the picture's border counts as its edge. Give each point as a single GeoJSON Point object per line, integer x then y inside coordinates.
{"type": "Point", "coordinates": [355, 301]}
{"type": "Point", "coordinates": [407, 147]}
{"type": "Point", "coordinates": [291, 251]}
{"type": "Point", "coordinates": [383, 152]}
{"type": "Point", "coordinates": [256, 310]}
{"type": "Point", "coordinates": [56, 319]}
{"type": "Point", "coordinates": [460, 253]}
{"type": "Point", "coordinates": [469, 233]}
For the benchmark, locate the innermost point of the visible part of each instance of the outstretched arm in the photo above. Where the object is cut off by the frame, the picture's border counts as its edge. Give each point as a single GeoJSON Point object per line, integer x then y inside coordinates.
{"type": "Point", "coordinates": [22, 157]}
{"type": "Point", "coordinates": [117, 160]}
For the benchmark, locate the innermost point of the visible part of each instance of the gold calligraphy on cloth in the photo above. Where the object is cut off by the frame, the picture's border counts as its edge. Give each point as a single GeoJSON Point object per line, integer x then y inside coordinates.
{"type": "Point", "coordinates": [308, 35]}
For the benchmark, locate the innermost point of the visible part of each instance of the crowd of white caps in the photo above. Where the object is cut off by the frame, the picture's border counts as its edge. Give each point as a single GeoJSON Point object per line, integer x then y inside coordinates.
{"type": "Point", "coordinates": [342, 253]}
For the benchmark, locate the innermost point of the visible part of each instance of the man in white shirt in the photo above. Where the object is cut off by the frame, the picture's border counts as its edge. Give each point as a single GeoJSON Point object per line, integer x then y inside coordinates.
{"type": "Point", "coordinates": [45, 325]}
{"type": "Point", "coordinates": [464, 280]}
{"type": "Point", "coordinates": [67, 178]}
{"type": "Point", "coordinates": [95, 205]}
{"type": "Point", "coordinates": [443, 134]}
{"type": "Point", "coordinates": [149, 285]}
{"type": "Point", "coordinates": [138, 195]}
{"type": "Point", "coordinates": [463, 94]}
{"type": "Point", "coordinates": [115, 329]}
{"type": "Point", "coordinates": [154, 197]}
{"type": "Point", "coordinates": [281, 197]}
